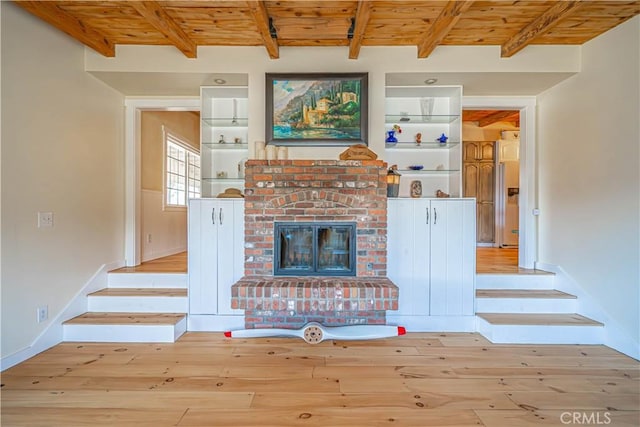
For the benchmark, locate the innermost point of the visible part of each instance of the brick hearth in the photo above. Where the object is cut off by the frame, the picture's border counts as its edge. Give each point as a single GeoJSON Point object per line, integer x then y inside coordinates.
{"type": "Point", "coordinates": [307, 191]}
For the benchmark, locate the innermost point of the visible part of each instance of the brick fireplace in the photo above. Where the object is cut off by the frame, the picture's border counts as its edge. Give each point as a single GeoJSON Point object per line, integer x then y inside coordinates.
{"type": "Point", "coordinates": [309, 191]}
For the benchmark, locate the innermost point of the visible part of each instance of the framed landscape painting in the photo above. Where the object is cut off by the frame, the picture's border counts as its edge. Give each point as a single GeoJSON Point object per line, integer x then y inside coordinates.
{"type": "Point", "coordinates": [316, 109]}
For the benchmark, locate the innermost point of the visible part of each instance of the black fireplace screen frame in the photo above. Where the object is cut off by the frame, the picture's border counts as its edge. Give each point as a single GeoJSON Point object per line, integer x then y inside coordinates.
{"type": "Point", "coordinates": [348, 267]}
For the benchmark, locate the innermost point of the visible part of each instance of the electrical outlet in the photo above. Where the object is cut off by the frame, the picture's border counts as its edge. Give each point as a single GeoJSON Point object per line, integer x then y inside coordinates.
{"type": "Point", "coordinates": [45, 219]}
{"type": "Point", "coordinates": [43, 313]}
{"type": "Point", "coordinates": [149, 238]}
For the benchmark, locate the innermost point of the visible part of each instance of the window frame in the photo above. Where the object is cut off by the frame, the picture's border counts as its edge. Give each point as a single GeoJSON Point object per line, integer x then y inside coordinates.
{"type": "Point", "coordinates": [170, 137]}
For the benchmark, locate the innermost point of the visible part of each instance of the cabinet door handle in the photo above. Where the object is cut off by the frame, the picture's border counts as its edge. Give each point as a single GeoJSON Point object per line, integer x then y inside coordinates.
{"type": "Point", "coordinates": [427, 210]}
{"type": "Point", "coordinates": [221, 216]}
{"type": "Point", "coordinates": [435, 216]}
{"type": "Point", "coordinates": [213, 216]}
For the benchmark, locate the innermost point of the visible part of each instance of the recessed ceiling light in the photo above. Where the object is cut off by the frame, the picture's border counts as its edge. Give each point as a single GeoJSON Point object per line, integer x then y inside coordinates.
{"type": "Point", "coordinates": [220, 81]}
{"type": "Point", "coordinates": [430, 81]}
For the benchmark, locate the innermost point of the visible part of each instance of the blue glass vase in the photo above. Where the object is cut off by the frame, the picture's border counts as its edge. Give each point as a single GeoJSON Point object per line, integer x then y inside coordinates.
{"type": "Point", "coordinates": [391, 137]}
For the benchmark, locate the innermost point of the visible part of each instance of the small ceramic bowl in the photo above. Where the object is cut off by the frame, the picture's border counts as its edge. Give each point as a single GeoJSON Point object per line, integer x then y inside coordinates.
{"type": "Point", "coordinates": [416, 167]}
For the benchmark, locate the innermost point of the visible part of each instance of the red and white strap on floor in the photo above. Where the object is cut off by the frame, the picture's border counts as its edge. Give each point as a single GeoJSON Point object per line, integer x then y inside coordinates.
{"type": "Point", "coordinates": [314, 333]}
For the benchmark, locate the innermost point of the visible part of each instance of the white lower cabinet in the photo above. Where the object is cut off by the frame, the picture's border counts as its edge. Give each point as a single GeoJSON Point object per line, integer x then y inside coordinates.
{"type": "Point", "coordinates": [431, 255]}
{"type": "Point", "coordinates": [216, 254]}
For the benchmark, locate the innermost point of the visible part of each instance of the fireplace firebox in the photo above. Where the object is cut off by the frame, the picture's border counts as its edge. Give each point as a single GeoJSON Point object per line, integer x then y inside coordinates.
{"type": "Point", "coordinates": [315, 249]}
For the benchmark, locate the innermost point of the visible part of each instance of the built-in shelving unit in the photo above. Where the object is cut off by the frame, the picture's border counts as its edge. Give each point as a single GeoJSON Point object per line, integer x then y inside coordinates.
{"type": "Point", "coordinates": [431, 111]}
{"type": "Point", "coordinates": [224, 137]}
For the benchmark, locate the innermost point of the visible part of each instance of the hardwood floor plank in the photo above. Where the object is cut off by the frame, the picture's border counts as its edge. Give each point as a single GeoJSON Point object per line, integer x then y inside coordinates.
{"type": "Point", "coordinates": [125, 399]}
{"type": "Point", "coordinates": [535, 418]}
{"type": "Point", "coordinates": [176, 263]}
{"type": "Point", "coordinates": [332, 417]}
{"type": "Point", "coordinates": [383, 372]}
{"type": "Point", "coordinates": [82, 417]}
{"type": "Point", "coordinates": [575, 401]}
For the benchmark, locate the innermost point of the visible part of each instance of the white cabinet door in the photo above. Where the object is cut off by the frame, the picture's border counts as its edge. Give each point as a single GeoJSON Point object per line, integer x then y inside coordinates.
{"type": "Point", "coordinates": [431, 255]}
{"type": "Point", "coordinates": [203, 255]}
{"type": "Point", "coordinates": [230, 251]}
{"type": "Point", "coordinates": [216, 254]}
{"type": "Point", "coordinates": [408, 254]}
{"type": "Point", "coordinates": [453, 260]}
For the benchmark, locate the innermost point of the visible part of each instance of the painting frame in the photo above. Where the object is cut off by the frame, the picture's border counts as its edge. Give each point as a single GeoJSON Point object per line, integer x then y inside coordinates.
{"type": "Point", "coordinates": [316, 109]}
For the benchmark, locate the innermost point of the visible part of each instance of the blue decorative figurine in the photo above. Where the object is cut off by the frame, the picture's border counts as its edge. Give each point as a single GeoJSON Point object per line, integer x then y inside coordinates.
{"type": "Point", "coordinates": [443, 139]}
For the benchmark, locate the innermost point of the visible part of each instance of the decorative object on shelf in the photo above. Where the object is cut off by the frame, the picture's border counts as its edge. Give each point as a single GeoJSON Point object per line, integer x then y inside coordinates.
{"type": "Point", "coordinates": [440, 167]}
{"type": "Point", "coordinates": [234, 119]}
{"type": "Point", "coordinates": [416, 189]}
{"type": "Point", "coordinates": [391, 137]}
{"type": "Point", "coordinates": [416, 167]}
{"type": "Point", "coordinates": [221, 174]}
{"type": "Point", "coordinates": [358, 152]}
{"type": "Point", "coordinates": [426, 106]}
{"type": "Point", "coordinates": [316, 109]}
{"type": "Point", "coordinates": [418, 138]}
{"type": "Point", "coordinates": [231, 193]}
{"type": "Point", "coordinates": [404, 116]}
{"type": "Point", "coordinates": [237, 140]}
{"type": "Point", "coordinates": [393, 181]}
{"type": "Point", "coordinates": [441, 194]}
{"type": "Point", "coordinates": [442, 139]}
{"type": "Point", "coordinates": [221, 140]}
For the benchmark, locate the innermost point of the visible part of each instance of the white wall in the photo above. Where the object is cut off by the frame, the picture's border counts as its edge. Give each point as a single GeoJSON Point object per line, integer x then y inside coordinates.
{"type": "Point", "coordinates": [62, 152]}
{"type": "Point", "coordinates": [589, 186]}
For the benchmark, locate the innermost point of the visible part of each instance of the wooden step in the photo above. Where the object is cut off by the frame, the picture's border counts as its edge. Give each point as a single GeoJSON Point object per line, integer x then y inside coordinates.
{"type": "Point", "coordinates": [523, 293]}
{"type": "Point", "coordinates": [97, 318]}
{"type": "Point", "coordinates": [125, 327]}
{"type": "Point", "coordinates": [140, 292]}
{"type": "Point", "coordinates": [539, 328]}
{"type": "Point", "coordinates": [559, 319]}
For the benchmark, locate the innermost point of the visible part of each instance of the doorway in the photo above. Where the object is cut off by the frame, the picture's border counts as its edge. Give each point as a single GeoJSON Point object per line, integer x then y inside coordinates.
{"type": "Point", "coordinates": [134, 107]}
{"type": "Point", "coordinates": [487, 121]}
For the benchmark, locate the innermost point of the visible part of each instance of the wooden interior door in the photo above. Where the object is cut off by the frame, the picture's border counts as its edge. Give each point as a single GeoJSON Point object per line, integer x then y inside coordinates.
{"type": "Point", "coordinates": [479, 182]}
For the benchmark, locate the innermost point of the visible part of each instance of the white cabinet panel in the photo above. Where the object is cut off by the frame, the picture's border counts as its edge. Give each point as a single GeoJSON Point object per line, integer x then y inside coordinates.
{"type": "Point", "coordinates": [216, 251]}
{"type": "Point", "coordinates": [431, 255]}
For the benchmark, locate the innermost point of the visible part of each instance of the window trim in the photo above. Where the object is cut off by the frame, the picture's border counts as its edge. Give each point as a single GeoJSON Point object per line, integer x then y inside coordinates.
{"type": "Point", "coordinates": [169, 136]}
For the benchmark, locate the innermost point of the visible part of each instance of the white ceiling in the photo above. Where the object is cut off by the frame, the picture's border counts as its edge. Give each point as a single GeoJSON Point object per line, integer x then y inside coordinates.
{"type": "Point", "coordinates": [474, 84]}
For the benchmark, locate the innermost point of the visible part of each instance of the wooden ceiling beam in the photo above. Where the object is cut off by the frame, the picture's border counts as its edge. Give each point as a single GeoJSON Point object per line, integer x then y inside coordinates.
{"type": "Point", "coordinates": [539, 26]}
{"type": "Point", "coordinates": [58, 18]}
{"type": "Point", "coordinates": [363, 13]}
{"type": "Point", "coordinates": [259, 12]}
{"type": "Point", "coordinates": [499, 116]}
{"type": "Point", "coordinates": [159, 19]}
{"type": "Point", "coordinates": [447, 19]}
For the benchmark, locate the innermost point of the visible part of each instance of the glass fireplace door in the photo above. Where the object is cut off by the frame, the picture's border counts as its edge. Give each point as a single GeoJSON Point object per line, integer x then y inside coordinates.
{"type": "Point", "coordinates": [323, 249]}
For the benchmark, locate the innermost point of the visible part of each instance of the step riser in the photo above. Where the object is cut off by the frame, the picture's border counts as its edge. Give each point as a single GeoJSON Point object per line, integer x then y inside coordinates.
{"type": "Point", "coordinates": [540, 334]}
{"type": "Point", "coordinates": [121, 304]}
{"type": "Point", "coordinates": [526, 305]}
{"type": "Point", "coordinates": [514, 281]}
{"type": "Point", "coordinates": [147, 280]}
{"type": "Point", "coordinates": [124, 333]}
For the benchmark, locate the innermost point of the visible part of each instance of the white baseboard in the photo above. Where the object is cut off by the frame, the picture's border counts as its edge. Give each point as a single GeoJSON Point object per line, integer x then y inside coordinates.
{"type": "Point", "coordinates": [52, 335]}
{"type": "Point", "coordinates": [165, 252]}
{"type": "Point", "coordinates": [433, 323]}
{"type": "Point", "coordinates": [213, 323]}
{"type": "Point", "coordinates": [614, 335]}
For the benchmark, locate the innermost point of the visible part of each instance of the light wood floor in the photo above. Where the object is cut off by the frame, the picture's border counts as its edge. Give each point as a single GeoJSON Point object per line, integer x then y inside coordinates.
{"type": "Point", "coordinates": [419, 379]}
{"type": "Point", "coordinates": [488, 260]}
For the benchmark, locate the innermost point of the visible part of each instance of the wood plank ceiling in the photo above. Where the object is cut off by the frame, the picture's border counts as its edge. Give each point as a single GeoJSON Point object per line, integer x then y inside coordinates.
{"type": "Point", "coordinates": [512, 25]}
